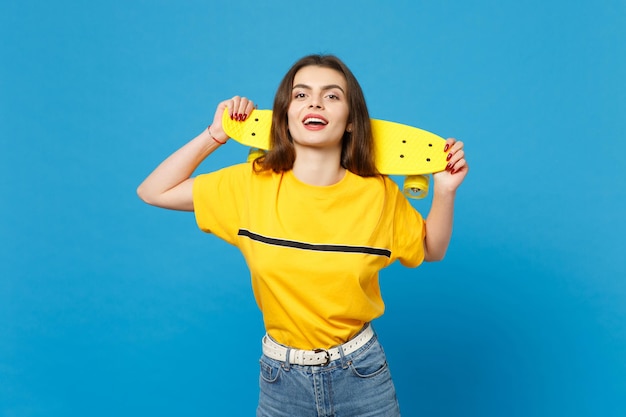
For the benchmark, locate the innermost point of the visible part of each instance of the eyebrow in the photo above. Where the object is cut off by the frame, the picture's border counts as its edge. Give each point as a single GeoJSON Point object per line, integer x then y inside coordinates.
{"type": "Point", "coordinates": [324, 88]}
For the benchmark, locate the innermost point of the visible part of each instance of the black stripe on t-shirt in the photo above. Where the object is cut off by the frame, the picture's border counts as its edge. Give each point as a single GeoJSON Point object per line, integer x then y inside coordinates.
{"type": "Point", "coordinates": [314, 247]}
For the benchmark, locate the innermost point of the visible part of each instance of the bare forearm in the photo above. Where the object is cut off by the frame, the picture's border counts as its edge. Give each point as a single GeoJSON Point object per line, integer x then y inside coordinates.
{"type": "Point", "coordinates": [439, 226]}
{"type": "Point", "coordinates": [169, 185]}
{"type": "Point", "coordinates": [441, 216]}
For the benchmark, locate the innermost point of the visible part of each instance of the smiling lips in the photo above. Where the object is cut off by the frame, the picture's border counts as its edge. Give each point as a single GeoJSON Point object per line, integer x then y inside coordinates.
{"type": "Point", "coordinates": [314, 122]}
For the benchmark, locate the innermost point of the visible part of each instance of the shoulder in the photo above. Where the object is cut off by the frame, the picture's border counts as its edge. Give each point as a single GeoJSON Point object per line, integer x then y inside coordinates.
{"type": "Point", "coordinates": [230, 172]}
{"type": "Point", "coordinates": [227, 176]}
{"type": "Point", "coordinates": [238, 176]}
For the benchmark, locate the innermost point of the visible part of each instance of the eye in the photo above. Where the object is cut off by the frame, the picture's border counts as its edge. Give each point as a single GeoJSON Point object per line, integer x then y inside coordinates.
{"type": "Point", "coordinates": [333, 96]}
{"type": "Point", "coordinates": [299, 95]}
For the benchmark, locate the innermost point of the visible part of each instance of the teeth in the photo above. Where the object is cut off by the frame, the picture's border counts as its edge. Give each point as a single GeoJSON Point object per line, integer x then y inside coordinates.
{"type": "Point", "coordinates": [313, 120]}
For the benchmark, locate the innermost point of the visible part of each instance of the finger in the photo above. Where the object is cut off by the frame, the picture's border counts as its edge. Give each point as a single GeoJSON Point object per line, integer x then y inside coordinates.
{"type": "Point", "coordinates": [455, 159]}
{"type": "Point", "coordinates": [242, 109]}
{"type": "Point", "coordinates": [248, 110]}
{"type": "Point", "coordinates": [234, 107]}
{"type": "Point", "coordinates": [460, 166]}
{"type": "Point", "coordinates": [449, 143]}
{"type": "Point", "coordinates": [457, 156]}
{"type": "Point", "coordinates": [455, 152]}
{"type": "Point", "coordinates": [454, 145]}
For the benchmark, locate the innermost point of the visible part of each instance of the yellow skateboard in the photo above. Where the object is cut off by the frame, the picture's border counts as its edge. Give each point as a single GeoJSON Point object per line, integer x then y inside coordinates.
{"type": "Point", "coordinates": [399, 149]}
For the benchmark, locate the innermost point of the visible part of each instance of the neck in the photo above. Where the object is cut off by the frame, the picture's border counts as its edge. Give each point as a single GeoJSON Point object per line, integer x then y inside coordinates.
{"type": "Point", "coordinates": [318, 167]}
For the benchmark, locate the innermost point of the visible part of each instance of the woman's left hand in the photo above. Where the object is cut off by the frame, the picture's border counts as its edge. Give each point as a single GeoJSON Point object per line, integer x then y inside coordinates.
{"type": "Point", "coordinates": [456, 170]}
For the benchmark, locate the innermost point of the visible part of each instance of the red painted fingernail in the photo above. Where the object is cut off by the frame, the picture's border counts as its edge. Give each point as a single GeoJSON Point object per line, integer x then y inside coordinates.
{"type": "Point", "coordinates": [448, 166]}
{"type": "Point", "coordinates": [232, 117]}
{"type": "Point", "coordinates": [448, 157]}
{"type": "Point", "coordinates": [245, 116]}
{"type": "Point", "coordinates": [445, 148]}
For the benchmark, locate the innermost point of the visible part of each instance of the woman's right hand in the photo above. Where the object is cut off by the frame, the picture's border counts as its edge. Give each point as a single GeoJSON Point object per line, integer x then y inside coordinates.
{"type": "Point", "coordinates": [239, 108]}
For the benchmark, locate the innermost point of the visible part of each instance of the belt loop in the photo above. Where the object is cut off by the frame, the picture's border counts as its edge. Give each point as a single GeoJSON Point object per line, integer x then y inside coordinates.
{"type": "Point", "coordinates": [287, 359]}
{"type": "Point", "coordinates": [344, 362]}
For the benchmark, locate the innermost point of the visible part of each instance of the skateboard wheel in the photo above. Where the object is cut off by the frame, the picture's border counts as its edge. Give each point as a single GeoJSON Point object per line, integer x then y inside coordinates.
{"type": "Point", "coordinates": [415, 186]}
{"type": "Point", "coordinates": [255, 153]}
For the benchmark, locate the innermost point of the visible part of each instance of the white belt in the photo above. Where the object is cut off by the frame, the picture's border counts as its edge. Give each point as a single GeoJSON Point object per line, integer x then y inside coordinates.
{"type": "Point", "coordinates": [321, 357]}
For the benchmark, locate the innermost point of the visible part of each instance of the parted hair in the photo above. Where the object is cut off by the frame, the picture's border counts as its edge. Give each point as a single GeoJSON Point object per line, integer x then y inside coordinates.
{"type": "Point", "coordinates": [357, 153]}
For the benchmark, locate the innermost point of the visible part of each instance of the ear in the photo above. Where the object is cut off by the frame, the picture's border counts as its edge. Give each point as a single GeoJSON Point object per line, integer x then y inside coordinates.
{"type": "Point", "coordinates": [349, 128]}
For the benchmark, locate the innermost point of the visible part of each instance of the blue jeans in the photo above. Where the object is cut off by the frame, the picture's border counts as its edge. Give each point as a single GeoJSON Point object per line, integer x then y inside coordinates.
{"type": "Point", "coordinates": [358, 384]}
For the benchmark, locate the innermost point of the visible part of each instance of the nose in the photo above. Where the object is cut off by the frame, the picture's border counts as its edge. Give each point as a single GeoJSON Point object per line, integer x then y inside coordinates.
{"type": "Point", "coordinates": [316, 102]}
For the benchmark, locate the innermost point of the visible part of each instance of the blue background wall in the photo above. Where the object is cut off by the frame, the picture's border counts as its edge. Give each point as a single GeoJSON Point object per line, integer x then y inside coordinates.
{"type": "Point", "coordinates": [109, 307]}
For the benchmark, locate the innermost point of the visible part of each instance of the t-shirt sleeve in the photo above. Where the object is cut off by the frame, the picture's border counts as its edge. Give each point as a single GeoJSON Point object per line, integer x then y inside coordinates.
{"type": "Point", "coordinates": [218, 199]}
{"type": "Point", "coordinates": [409, 232]}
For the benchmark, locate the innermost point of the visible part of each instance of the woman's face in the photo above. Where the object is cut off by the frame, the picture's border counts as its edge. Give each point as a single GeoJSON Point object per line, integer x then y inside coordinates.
{"type": "Point", "coordinates": [318, 111]}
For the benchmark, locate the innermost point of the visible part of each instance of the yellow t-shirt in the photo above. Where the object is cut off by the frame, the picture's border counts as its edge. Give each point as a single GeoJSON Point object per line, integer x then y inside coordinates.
{"type": "Point", "coordinates": [314, 253]}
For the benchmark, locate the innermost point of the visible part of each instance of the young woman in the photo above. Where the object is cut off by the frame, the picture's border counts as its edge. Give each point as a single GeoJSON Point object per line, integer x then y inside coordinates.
{"type": "Point", "coordinates": [315, 223]}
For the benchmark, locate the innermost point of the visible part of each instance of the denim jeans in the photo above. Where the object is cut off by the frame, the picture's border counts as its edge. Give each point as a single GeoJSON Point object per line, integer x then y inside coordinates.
{"type": "Point", "coordinates": [358, 384]}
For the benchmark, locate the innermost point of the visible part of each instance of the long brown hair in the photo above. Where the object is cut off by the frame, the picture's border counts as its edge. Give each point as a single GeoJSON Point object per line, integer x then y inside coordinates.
{"type": "Point", "coordinates": [357, 153]}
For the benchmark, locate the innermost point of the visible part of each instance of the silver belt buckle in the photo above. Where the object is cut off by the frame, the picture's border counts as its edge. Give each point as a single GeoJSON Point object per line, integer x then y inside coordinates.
{"type": "Point", "coordinates": [327, 356]}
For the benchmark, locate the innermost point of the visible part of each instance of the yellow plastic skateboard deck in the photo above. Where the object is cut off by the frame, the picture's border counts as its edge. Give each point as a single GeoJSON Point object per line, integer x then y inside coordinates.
{"type": "Point", "coordinates": [399, 149]}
